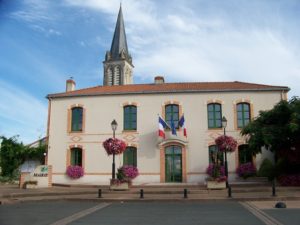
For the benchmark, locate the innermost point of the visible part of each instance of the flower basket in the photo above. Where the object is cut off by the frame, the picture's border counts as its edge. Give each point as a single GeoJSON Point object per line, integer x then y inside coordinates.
{"type": "Point", "coordinates": [246, 170]}
{"type": "Point", "coordinates": [217, 178]}
{"type": "Point", "coordinates": [226, 143]}
{"type": "Point", "coordinates": [114, 146]}
{"type": "Point", "coordinates": [75, 172]}
{"type": "Point", "coordinates": [118, 185]}
{"type": "Point", "coordinates": [214, 184]}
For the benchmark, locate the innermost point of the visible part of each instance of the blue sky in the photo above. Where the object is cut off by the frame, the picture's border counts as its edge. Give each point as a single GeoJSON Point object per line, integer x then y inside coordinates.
{"type": "Point", "coordinates": [44, 42]}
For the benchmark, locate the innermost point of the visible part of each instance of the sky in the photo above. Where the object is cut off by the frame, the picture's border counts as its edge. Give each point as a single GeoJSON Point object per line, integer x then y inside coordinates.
{"type": "Point", "coordinates": [45, 42]}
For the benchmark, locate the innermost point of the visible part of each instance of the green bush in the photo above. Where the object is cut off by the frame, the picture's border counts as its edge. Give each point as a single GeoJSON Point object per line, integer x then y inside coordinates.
{"type": "Point", "coordinates": [267, 169]}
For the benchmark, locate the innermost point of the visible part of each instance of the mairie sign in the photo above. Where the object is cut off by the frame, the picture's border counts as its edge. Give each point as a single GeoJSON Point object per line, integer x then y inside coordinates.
{"type": "Point", "coordinates": [41, 171]}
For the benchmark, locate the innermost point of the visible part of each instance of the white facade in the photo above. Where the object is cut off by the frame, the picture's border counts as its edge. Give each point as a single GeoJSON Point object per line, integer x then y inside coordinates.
{"type": "Point", "coordinates": [99, 111]}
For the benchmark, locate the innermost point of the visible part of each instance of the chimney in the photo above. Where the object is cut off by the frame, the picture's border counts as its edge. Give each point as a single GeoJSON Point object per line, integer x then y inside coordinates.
{"type": "Point", "coordinates": [70, 85]}
{"type": "Point", "coordinates": [159, 80]}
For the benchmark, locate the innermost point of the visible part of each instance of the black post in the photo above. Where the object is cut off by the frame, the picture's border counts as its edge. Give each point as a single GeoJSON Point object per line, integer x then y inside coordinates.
{"type": "Point", "coordinates": [229, 192]}
{"type": "Point", "coordinates": [113, 165]}
{"type": "Point", "coordinates": [141, 193]}
{"type": "Point", "coordinates": [99, 193]}
{"type": "Point", "coordinates": [185, 193]}
{"type": "Point", "coordinates": [226, 164]}
{"type": "Point", "coordinates": [273, 188]}
{"type": "Point", "coordinates": [113, 168]}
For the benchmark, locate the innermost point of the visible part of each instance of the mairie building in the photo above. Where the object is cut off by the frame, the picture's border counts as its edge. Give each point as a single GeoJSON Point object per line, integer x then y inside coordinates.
{"type": "Point", "coordinates": [79, 121]}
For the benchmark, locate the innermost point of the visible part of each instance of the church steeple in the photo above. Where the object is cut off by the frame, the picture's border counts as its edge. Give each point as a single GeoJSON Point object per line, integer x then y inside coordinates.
{"type": "Point", "coordinates": [118, 62]}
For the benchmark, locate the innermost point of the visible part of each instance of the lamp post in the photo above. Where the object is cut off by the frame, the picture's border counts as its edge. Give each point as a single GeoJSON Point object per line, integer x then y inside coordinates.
{"type": "Point", "coordinates": [114, 126]}
{"type": "Point", "coordinates": [224, 124]}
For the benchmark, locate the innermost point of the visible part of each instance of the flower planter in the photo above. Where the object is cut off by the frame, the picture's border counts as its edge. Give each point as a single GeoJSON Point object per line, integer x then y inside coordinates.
{"type": "Point", "coordinates": [119, 187]}
{"type": "Point", "coordinates": [31, 186]}
{"type": "Point", "coordinates": [212, 184]}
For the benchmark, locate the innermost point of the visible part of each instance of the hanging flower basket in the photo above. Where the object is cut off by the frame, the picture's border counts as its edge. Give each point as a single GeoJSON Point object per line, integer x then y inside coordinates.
{"type": "Point", "coordinates": [114, 146]}
{"type": "Point", "coordinates": [75, 172]}
{"type": "Point", "coordinates": [226, 143]}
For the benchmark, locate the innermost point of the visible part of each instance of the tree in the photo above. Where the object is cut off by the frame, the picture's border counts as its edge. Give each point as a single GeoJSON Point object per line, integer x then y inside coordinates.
{"type": "Point", "coordinates": [278, 130]}
{"type": "Point", "coordinates": [13, 153]}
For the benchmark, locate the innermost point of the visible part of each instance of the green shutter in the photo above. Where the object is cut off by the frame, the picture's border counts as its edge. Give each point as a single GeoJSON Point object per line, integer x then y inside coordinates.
{"type": "Point", "coordinates": [172, 112]}
{"type": "Point", "coordinates": [76, 157]}
{"type": "Point", "coordinates": [243, 114]}
{"type": "Point", "coordinates": [76, 123]}
{"type": "Point", "coordinates": [130, 117]}
{"type": "Point", "coordinates": [214, 114]}
{"type": "Point", "coordinates": [130, 157]}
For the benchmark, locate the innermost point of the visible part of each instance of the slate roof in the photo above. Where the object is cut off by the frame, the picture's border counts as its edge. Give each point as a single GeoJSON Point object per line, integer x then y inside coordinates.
{"type": "Point", "coordinates": [192, 87]}
{"type": "Point", "coordinates": [119, 41]}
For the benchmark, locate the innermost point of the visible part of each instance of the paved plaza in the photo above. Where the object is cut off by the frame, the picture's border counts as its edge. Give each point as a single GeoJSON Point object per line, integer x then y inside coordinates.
{"type": "Point", "coordinates": [131, 213]}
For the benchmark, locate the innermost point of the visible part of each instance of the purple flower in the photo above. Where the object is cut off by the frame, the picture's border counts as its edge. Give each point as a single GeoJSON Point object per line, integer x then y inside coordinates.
{"type": "Point", "coordinates": [246, 170]}
{"type": "Point", "coordinates": [114, 146]}
{"type": "Point", "coordinates": [226, 143]}
{"type": "Point", "coordinates": [75, 172]}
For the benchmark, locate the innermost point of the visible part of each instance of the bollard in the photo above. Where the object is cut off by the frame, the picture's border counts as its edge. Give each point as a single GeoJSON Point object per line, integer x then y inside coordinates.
{"type": "Point", "coordinates": [273, 188]}
{"type": "Point", "coordinates": [99, 193]}
{"type": "Point", "coordinates": [185, 193]}
{"type": "Point", "coordinates": [141, 193]}
{"type": "Point", "coordinates": [229, 191]}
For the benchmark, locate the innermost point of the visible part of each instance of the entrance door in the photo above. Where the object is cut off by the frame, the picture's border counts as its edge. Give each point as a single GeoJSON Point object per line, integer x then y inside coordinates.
{"type": "Point", "coordinates": [173, 164]}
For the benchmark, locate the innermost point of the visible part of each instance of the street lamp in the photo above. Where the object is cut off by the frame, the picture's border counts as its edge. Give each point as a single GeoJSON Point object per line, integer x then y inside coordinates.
{"type": "Point", "coordinates": [224, 124]}
{"type": "Point", "coordinates": [114, 126]}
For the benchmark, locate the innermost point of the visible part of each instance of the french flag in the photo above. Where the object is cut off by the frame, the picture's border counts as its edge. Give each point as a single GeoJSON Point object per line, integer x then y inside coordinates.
{"type": "Point", "coordinates": [161, 127]}
{"type": "Point", "coordinates": [181, 123]}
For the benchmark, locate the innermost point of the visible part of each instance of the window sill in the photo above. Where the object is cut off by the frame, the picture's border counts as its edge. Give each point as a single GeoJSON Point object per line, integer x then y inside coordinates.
{"type": "Point", "coordinates": [129, 131]}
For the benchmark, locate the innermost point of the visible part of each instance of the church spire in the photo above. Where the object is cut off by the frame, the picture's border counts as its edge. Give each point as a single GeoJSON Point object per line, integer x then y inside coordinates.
{"type": "Point", "coordinates": [119, 42]}
{"type": "Point", "coordinates": [118, 62]}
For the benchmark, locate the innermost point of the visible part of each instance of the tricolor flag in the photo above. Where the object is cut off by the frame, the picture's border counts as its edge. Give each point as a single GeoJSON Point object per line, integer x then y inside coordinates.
{"type": "Point", "coordinates": [161, 127]}
{"type": "Point", "coordinates": [181, 123]}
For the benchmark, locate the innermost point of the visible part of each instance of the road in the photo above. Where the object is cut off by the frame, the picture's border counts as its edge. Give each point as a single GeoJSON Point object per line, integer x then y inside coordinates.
{"type": "Point", "coordinates": [137, 213]}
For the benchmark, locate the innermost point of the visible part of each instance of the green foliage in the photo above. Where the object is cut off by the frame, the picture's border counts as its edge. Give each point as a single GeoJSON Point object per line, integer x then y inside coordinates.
{"type": "Point", "coordinates": [14, 153]}
{"type": "Point", "coordinates": [277, 129]}
{"type": "Point", "coordinates": [267, 169]}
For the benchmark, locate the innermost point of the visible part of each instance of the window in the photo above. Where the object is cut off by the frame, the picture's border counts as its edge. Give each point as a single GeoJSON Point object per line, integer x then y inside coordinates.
{"type": "Point", "coordinates": [129, 156]}
{"type": "Point", "coordinates": [130, 117]}
{"type": "Point", "coordinates": [77, 114]}
{"type": "Point", "coordinates": [215, 156]}
{"type": "Point", "coordinates": [245, 155]}
{"type": "Point", "coordinates": [76, 157]}
{"type": "Point", "coordinates": [243, 114]}
{"type": "Point", "coordinates": [172, 113]}
{"type": "Point", "coordinates": [214, 112]}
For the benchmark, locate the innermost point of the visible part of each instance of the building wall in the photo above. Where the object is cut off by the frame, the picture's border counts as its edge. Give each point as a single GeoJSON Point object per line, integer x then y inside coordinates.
{"type": "Point", "coordinates": [101, 110]}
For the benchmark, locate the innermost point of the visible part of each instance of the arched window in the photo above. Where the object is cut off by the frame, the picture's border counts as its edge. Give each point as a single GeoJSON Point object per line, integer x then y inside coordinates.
{"type": "Point", "coordinates": [245, 155]}
{"type": "Point", "coordinates": [129, 156]}
{"type": "Point", "coordinates": [76, 157]}
{"type": "Point", "coordinates": [214, 112]}
{"type": "Point", "coordinates": [215, 156]}
{"type": "Point", "coordinates": [117, 75]}
{"type": "Point", "coordinates": [243, 114]}
{"type": "Point", "coordinates": [172, 114]}
{"type": "Point", "coordinates": [76, 120]}
{"type": "Point", "coordinates": [109, 76]}
{"type": "Point", "coordinates": [130, 117]}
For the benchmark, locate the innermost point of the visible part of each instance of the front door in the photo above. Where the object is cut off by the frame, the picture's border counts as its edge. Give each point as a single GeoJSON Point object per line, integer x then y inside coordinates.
{"type": "Point", "coordinates": [173, 164]}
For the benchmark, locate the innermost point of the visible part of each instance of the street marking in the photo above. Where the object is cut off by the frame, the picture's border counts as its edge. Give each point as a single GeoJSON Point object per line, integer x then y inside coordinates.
{"type": "Point", "coordinates": [265, 218]}
{"type": "Point", "coordinates": [80, 214]}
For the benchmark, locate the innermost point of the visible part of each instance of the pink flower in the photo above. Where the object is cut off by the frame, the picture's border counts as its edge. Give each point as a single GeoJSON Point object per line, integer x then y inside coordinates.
{"type": "Point", "coordinates": [75, 172]}
{"type": "Point", "coordinates": [114, 146]}
{"type": "Point", "coordinates": [226, 143]}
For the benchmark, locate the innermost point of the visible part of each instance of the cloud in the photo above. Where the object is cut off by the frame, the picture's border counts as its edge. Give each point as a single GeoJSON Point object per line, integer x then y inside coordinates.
{"type": "Point", "coordinates": [21, 113]}
{"type": "Point", "coordinates": [34, 11]}
{"type": "Point", "coordinates": [47, 32]}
